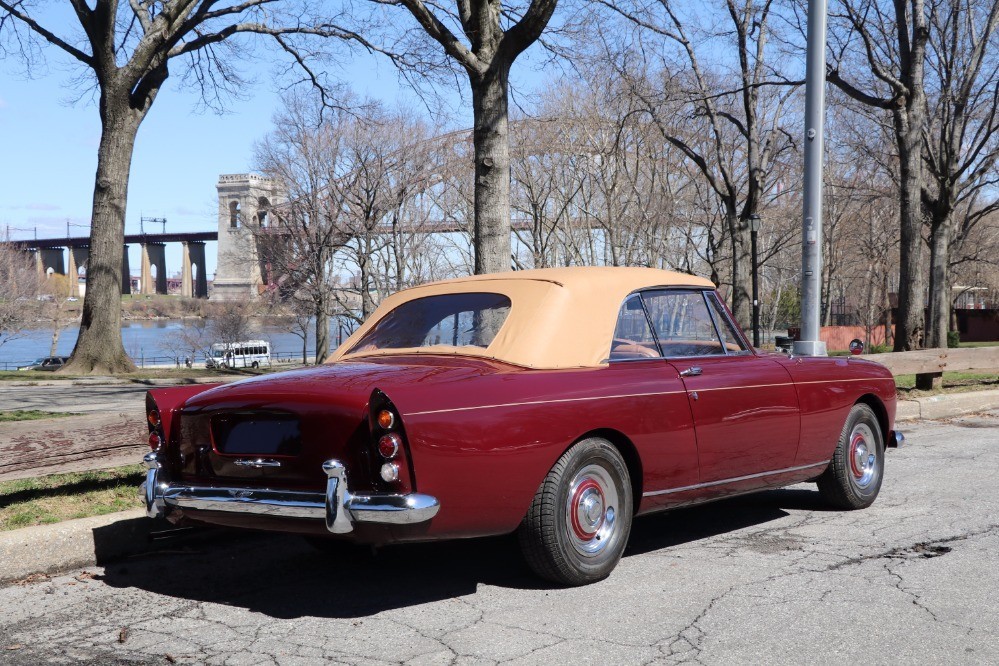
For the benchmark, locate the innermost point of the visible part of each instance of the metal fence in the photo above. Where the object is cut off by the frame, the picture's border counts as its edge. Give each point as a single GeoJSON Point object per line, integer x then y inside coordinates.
{"type": "Point", "coordinates": [143, 361]}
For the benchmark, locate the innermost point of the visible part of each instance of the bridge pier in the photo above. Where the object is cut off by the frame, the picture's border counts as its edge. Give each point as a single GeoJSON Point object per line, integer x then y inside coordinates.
{"type": "Point", "coordinates": [50, 258]}
{"type": "Point", "coordinates": [191, 285]}
{"type": "Point", "coordinates": [126, 272]}
{"type": "Point", "coordinates": [78, 257]}
{"type": "Point", "coordinates": [154, 254]}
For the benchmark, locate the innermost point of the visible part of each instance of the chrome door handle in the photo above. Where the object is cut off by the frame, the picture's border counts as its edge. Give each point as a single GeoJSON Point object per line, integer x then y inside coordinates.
{"type": "Point", "coordinates": [691, 372]}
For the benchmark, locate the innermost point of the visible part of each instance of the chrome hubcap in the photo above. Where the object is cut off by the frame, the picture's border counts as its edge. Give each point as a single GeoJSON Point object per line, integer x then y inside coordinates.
{"type": "Point", "coordinates": [863, 456]}
{"type": "Point", "coordinates": [591, 510]}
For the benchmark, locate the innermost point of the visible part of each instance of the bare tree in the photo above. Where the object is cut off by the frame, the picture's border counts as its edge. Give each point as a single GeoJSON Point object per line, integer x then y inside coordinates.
{"type": "Point", "coordinates": [962, 139]}
{"type": "Point", "coordinates": [55, 308]}
{"type": "Point", "coordinates": [494, 37]}
{"type": "Point", "coordinates": [231, 322]}
{"type": "Point", "coordinates": [304, 152]}
{"type": "Point", "coordinates": [19, 288]}
{"type": "Point", "coordinates": [878, 58]}
{"type": "Point", "coordinates": [739, 118]}
{"type": "Point", "coordinates": [126, 53]}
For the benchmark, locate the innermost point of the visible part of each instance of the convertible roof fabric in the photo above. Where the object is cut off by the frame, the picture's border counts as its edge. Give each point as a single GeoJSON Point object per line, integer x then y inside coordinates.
{"type": "Point", "coordinates": [559, 317]}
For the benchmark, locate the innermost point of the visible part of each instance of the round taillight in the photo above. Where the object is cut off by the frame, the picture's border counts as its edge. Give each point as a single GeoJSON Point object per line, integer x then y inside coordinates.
{"type": "Point", "coordinates": [386, 419]}
{"type": "Point", "coordinates": [154, 441]}
{"type": "Point", "coordinates": [154, 418]}
{"type": "Point", "coordinates": [388, 445]}
{"type": "Point", "coordinates": [390, 472]}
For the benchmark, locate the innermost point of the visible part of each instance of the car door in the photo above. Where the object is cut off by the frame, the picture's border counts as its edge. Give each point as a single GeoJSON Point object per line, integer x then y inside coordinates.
{"type": "Point", "coordinates": [664, 430]}
{"type": "Point", "coordinates": [744, 407]}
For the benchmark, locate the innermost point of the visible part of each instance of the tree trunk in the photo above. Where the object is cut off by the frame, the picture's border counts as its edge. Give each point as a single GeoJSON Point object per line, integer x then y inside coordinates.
{"type": "Point", "coordinates": [99, 349]}
{"type": "Point", "coordinates": [910, 321]}
{"type": "Point", "coordinates": [322, 334]}
{"type": "Point", "coordinates": [742, 274]}
{"type": "Point", "coordinates": [491, 143]}
{"type": "Point", "coordinates": [940, 291]}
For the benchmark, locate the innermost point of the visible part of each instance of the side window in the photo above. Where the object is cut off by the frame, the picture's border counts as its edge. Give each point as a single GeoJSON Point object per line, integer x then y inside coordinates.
{"type": "Point", "coordinates": [632, 336]}
{"type": "Point", "coordinates": [682, 323]}
{"type": "Point", "coordinates": [730, 337]}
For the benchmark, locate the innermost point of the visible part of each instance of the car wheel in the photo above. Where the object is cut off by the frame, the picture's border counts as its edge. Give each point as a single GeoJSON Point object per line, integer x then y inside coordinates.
{"type": "Point", "coordinates": [853, 478]}
{"type": "Point", "coordinates": [578, 524]}
{"type": "Point", "coordinates": [255, 365]}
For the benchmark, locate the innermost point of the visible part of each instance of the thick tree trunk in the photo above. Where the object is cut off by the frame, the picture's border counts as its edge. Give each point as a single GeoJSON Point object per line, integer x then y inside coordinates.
{"type": "Point", "coordinates": [99, 349]}
{"type": "Point", "coordinates": [910, 321]}
{"type": "Point", "coordinates": [940, 291]}
{"type": "Point", "coordinates": [491, 143]}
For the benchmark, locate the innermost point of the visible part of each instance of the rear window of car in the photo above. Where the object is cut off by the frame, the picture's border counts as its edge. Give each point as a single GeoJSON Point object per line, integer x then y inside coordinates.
{"type": "Point", "coordinates": [452, 320]}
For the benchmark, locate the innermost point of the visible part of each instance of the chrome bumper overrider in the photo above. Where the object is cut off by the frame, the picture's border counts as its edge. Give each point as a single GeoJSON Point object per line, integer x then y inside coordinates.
{"type": "Point", "coordinates": [338, 506]}
{"type": "Point", "coordinates": [897, 439]}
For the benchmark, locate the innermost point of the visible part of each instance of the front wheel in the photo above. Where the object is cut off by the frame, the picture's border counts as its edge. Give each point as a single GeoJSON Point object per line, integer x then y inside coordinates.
{"type": "Point", "coordinates": [853, 478]}
{"type": "Point", "coordinates": [578, 524]}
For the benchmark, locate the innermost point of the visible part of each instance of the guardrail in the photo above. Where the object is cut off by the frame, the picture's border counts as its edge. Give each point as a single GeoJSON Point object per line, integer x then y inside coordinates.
{"type": "Point", "coordinates": [929, 364]}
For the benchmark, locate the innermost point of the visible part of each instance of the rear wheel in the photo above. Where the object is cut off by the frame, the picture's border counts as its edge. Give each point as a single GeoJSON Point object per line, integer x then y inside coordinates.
{"type": "Point", "coordinates": [853, 478]}
{"type": "Point", "coordinates": [578, 524]}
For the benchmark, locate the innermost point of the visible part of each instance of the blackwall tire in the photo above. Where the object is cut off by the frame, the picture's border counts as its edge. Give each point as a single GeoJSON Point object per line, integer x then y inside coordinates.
{"type": "Point", "coordinates": [578, 525]}
{"type": "Point", "coordinates": [853, 478]}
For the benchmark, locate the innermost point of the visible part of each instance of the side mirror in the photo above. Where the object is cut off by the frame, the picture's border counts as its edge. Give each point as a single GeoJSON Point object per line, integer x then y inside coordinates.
{"type": "Point", "coordinates": [856, 346]}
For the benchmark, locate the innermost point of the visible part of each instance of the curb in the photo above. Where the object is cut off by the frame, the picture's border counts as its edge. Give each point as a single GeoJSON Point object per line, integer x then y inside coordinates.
{"type": "Point", "coordinates": [87, 542]}
{"type": "Point", "coordinates": [71, 544]}
{"type": "Point", "coordinates": [946, 406]}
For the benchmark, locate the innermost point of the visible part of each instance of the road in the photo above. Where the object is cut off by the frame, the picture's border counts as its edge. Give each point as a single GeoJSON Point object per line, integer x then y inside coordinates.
{"type": "Point", "coordinates": [769, 578]}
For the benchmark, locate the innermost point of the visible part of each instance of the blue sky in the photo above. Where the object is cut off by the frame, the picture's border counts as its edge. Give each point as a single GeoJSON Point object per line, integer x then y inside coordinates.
{"type": "Point", "coordinates": [49, 152]}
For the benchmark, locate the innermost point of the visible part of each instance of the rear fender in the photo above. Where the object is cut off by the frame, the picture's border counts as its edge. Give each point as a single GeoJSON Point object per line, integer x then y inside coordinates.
{"type": "Point", "coordinates": [169, 400]}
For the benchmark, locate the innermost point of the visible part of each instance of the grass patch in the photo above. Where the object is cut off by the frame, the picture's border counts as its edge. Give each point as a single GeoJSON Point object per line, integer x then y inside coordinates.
{"type": "Point", "coordinates": [980, 344]}
{"type": "Point", "coordinates": [953, 382]}
{"type": "Point", "coordinates": [52, 499]}
{"type": "Point", "coordinates": [30, 415]}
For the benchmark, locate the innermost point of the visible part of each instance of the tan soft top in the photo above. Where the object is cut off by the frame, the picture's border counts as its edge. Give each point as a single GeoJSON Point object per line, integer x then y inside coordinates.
{"type": "Point", "coordinates": [559, 317]}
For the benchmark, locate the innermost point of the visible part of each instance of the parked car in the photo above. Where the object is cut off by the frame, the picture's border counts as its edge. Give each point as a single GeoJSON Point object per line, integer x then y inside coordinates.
{"type": "Point", "coordinates": [48, 363]}
{"type": "Point", "coordinates": [558, 404]}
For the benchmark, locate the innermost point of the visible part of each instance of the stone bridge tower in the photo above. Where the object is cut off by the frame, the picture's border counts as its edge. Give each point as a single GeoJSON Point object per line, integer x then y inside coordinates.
{"type": "Point", "coordinates": [245, 201]}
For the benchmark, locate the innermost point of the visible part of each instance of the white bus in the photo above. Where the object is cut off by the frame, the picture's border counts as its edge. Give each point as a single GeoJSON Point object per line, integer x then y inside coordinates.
{"type": "Point", "coordinates": [248, 354]}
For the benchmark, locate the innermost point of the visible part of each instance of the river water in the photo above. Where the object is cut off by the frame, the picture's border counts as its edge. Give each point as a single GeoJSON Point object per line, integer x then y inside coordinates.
{"type": "Point", "coordinates": [148, 342]}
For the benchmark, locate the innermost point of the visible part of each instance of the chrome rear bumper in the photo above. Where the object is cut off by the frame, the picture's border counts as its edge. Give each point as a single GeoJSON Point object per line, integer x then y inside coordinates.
{"type": "Point", "coordinates": [340, 508]}
{"type": "Point", "coordinates": [897, 439]}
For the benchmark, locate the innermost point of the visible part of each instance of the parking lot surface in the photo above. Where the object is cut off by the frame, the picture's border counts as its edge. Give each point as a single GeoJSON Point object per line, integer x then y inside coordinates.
{"type": "Point", "coordinates": [767, 578]}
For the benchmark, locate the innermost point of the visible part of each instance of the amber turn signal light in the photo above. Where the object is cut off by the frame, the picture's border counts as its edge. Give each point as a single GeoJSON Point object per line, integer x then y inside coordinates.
{"type": "Point", "coordinates": [154, 418]}
{"type": "Point", "coordinates": [386, 419]}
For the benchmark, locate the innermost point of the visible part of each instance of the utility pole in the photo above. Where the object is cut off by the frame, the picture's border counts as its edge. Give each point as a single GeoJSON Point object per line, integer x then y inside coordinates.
{"type": "Point", "coordinates": [754, 229]}
{"type": "Point", "coordinates": [811, 236]}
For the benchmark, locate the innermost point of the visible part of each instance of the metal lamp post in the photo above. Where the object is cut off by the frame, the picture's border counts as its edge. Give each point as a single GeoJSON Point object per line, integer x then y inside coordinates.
{"type": "Point", "coordinates": [754, 228]}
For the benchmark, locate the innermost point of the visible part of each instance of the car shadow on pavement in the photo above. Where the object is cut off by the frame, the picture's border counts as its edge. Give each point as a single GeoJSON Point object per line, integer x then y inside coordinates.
{"type": "Point", "coordinates": [284, 577]}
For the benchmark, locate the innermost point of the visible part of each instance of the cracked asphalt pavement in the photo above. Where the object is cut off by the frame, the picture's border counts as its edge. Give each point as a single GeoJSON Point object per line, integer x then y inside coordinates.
{"type": "Point", "coordinates": [767, 578]}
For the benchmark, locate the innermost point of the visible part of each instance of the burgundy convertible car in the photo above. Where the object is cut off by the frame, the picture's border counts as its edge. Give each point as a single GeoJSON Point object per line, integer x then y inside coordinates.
{"type": "Point", "coordinates": [557, 403]}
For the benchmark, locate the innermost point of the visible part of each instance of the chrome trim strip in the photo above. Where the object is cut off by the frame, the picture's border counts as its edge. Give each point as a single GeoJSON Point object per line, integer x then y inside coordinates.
{"type": "Point", "coordinates": [543, 402]}
{"type": "Point", "coordinates": [258, 463]}
{"type": "Point", "coordinates": [733, 479]}
{"type": "Point", "coordinates": [338, 506]}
